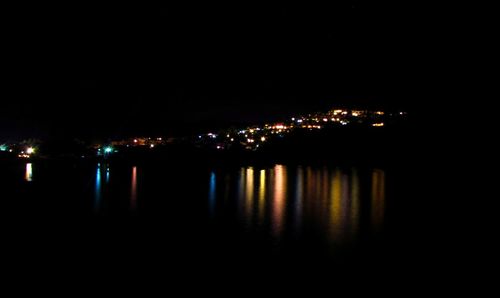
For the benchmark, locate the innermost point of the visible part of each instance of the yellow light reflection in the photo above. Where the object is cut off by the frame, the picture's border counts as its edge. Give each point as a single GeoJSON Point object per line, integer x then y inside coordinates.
{"type": "Point", "coordinates": [378, 198]}
{"type": "Point", "coordinates": [335, 205]}
{"type": "Point", "coordinates": [28, 176]}
{"type": "Point", "coordinates": [249, 193]}
{"type": "Point", "coordinates": [262, 194]}
{"type": "Point", "coordinates": [355, 203]}
{"type": "Point", "coordinates": [279, 198]}
{"type": "Point", "coordinates": [241, 191]}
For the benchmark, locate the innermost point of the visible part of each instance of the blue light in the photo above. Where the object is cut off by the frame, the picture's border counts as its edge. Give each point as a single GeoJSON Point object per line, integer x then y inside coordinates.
{"type": "Point", "coordinates": [108, 150]}
{"type": "Point", "coordinates": [211, 195]}
{"type": "Point", "coordinates": [3, 148]}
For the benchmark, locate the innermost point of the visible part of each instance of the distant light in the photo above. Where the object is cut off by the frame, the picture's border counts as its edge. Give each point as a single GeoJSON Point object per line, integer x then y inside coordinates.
{"type": "Point", "coordinates": [293, 119]}
{"type": "Point", "coordinates": [232, 139]}
{"type": "Point", "coordinates": [355, 114]}
{"type": "Point", "coordinates": [3, 148]}
{"type": "Point", "coordinates": [250, 140]}
{"type": "Point", "coordinates": [10, 150]}
{"type": "Point", "coordinates": [228, 136]}
{"type": "Point", "coordinates": [218, 147]}
{"type": "Point", "coordinates": [263, 139]}
{"type": "Point", "coordinates": [379, 113]}
{"type": "Point", "coordinates": [30, 150]}
{"type": "Point", "coordinates": [159, 139]}
{"type": "Point", "coordinates": [152, 146]}
{"type": "Point", "coordinates": [135, 141]}
{"type": "Point", "coordinates": [344, 113]}
{"type": "Point", "coordinates": [325, 119]}
{"type": "Point", "coordinates": [108, 149]}
{"type": "Point", "coordinates": [378, 124]}
{"type": "Point", "coordinates": [299, 121]}
{"type": "Point", "coordinates": [199, 137]}
{"type": "Point", "coordinates": [401, 113]}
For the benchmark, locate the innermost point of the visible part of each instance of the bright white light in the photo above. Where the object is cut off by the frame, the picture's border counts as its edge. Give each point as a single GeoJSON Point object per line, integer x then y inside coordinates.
{"type": "Point", "coordinates": [135, 141]}
{"type": "Point", "coordinates": [30, 150]}
{"type": "Point", "coordinates": [325, 119]}
{"type": "Point", "coordinates": [263, 139]}
{"type": "Point", "coordinates": [355, 114]}
{"type": "Point", "coordinates": [151, 146]}
{"type": "Point", "coordinates": [28, 176]}
{"type": "Point", "coordinates": [293, 119]}
{"type": "Point", "coordinates": [299, 121]}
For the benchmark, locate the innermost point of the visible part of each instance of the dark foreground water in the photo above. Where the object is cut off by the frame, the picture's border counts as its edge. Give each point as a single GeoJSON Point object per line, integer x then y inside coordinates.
{"type": "Point", "coordinates": [199, 216]}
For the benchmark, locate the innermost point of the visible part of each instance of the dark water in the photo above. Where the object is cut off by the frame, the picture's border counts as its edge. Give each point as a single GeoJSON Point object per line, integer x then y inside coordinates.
{"type": "Point", "coordinates": [293, 214]}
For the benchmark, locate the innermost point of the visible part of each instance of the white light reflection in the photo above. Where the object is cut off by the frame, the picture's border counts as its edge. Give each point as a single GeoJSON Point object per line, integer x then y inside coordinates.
{"type": "Point", "coordinates": [28, 176]}
{"type": "Point", "coordinates": [107, 174]}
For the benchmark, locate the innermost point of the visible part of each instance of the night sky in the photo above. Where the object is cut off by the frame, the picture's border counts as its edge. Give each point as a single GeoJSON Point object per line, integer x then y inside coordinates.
{"type": "Point", "coordinates": [94, 70]}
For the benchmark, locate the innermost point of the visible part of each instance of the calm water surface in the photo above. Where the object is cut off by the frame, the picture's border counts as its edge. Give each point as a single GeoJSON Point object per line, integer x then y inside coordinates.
{"type": "Point", "coordinates": [289, 211]}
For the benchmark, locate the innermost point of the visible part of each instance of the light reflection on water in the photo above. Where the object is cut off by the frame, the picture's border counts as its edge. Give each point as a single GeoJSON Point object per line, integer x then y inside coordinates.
{"type": "Point", "coordinates": [103, 170]}
{"type": "Point", "coordinates": [28, 176]}
{"type": "Point", "coordinates": [98, 190]}
{"type": "Point", "coordinates": [378, 198]}
{"type": "Point", "coordinates": [133, 189]}
{"type": "Point", "coordinates": [284, 199]}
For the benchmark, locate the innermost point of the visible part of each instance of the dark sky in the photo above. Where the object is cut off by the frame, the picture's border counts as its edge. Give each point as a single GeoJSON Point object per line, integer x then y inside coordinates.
{"type": "Point", "coordinates": [118, 70]}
